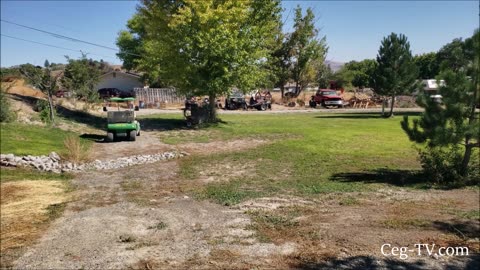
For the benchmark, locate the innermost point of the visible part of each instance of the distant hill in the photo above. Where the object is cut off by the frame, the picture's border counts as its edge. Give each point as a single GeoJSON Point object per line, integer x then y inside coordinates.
{"type": "Point", "coordinates": [335, 66]}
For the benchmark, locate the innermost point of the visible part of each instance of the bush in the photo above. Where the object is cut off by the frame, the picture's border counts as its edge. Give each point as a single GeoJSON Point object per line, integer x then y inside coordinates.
{"type": "Point", "coordinates": [75, 150]}
{"type": "Point", "coordinates": [44, 110]}
{"type": "Point", "coordinates": [6, 115]}
{"type": "Point", "coordinates": [443, 166]}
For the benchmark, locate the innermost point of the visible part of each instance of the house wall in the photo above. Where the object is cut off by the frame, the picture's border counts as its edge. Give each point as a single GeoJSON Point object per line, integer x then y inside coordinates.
{"type": "Point", "coordinates": [120, 81]}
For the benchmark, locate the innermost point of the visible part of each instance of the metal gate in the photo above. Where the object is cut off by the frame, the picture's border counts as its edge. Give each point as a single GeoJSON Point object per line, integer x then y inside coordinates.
{"type": "Point", "coordinates": [157, 97]}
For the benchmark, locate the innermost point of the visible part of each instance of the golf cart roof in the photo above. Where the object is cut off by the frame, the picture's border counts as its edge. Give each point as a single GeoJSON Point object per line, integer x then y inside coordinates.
{"type": "Point", "coordinates": [117, 99]}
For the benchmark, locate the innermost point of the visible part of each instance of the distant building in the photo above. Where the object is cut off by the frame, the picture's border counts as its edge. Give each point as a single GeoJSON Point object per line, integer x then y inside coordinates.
{"type": "Point", "coordinates": [124, 81]}
{"type": "Point", "coordinates": [430, 87]}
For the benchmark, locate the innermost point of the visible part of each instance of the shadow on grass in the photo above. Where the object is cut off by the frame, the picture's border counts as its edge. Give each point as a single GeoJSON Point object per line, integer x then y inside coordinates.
{"type": "Point", "coordinates": [394, 177]}
{"type": "Point", "coordinates": [93, 137]}
{"type": "Point", "coordinates": [366, 115]}
{"type": "Point", "coordinates": [464, 229]}
{"type": "Point", "coordinates": [166, 124]}
{"type": "Point", "coordinates": [98, 122]}
{"type": "Point", "coordinates": [81, 117]}
{"type": "Point", "coordinates": [372, 263]}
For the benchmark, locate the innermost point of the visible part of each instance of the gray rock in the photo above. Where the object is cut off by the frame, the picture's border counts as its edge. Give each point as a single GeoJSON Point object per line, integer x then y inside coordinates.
{"type": "Point", "coordinates": [9, 157]}
{"type": "Point", "coordinates": [54, 156]}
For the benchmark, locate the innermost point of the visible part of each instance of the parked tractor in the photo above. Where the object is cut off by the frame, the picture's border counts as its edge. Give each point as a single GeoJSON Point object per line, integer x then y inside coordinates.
{"type": "Point", "coordinates": [122, 122]}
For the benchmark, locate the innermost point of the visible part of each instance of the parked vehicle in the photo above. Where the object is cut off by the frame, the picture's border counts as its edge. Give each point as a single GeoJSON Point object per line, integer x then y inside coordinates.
{"type": "Point", "coordinates": [261, 101]}
{"type": "Point", "coordinates": [108, 93]}
{"type": "Point", "coordinates": [328, 97]}
{"type": "Point", "coordinates": [235, 101]}
{"type": "Point", "coordinates": [62, 93]}
{"type": "Point", "coordinates": [122, 123]}
{"type": "Point", "coordinates": [195, 113]}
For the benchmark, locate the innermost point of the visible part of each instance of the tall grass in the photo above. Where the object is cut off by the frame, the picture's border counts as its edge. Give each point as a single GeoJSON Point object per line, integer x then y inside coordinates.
{"type": "Point", "coordinates": [76, 151]}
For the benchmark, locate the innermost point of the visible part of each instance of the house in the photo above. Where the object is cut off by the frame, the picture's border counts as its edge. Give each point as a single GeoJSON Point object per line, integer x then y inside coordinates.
{"type": "Point", "coordinates": [124, 81]}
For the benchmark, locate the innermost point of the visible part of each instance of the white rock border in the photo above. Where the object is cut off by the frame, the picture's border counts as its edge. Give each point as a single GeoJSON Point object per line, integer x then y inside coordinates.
{"type": "Point", "coordinates": [53, 163]}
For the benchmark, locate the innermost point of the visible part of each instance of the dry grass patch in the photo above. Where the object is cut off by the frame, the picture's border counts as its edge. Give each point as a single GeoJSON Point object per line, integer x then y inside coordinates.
{"type": "Point", "coordinates": [26, 207]}
{"type": "Point", "coordinates": [75, 150]}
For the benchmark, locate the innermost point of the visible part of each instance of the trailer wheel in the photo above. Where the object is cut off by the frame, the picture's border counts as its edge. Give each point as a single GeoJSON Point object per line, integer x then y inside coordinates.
{"type": "Point", "coordinates": [110, 137]}
{"type": "Point", "coordinates": [133, 135]}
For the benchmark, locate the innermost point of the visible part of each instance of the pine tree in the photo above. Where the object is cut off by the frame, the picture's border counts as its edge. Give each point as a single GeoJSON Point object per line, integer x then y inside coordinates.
{"type": "Point", "coordinates": [396, 72]}
{"type": "Point", "coordinates": [451, 130]}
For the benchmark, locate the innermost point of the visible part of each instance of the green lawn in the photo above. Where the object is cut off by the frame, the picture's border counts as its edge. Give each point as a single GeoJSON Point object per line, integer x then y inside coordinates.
{"type": "Point", "coordinates": [23, 139]}
{"type": "Point", "coordinates": [309, 154]}
{"type": "Point", "coordinates": [21, 174]}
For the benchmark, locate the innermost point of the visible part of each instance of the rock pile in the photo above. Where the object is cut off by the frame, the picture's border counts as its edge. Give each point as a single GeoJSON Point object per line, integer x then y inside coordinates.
{"type": "Point", "coordinates": [53, 162]}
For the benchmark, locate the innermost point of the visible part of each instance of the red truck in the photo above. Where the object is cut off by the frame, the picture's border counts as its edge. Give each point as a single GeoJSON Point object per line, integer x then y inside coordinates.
{"type": "Point", "coordinates": [328, 97]}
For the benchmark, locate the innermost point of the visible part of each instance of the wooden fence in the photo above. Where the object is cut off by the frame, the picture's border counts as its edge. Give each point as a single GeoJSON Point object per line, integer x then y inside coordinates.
{"type": "Point", "coordinates": [157, 97]}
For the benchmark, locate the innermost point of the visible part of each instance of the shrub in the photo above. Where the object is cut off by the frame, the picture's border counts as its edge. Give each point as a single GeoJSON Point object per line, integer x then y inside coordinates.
{"type": "Point", "coordinates": [6, 114]}
{"type": "Point", "coordinates": [75, 150]}
{"type": "Point", "coordinates": [44, 110]}
{"type": "Point", "coordinates": [443, 166]}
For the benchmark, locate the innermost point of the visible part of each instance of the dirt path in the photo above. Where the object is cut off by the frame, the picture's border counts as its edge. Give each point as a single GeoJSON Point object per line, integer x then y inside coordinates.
{"type": "Point", "coordinates": [140, 216]}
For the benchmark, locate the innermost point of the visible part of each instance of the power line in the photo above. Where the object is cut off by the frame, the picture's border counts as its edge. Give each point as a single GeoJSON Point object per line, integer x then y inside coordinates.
{"type": "Point", "coordinates": [54, 46]}
{"type": "Point", "coordinates": [65, 37]}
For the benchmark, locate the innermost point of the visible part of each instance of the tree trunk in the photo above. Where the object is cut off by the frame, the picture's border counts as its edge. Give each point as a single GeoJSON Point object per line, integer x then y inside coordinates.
{"type": "Point", "coordinates": [391, 106]}
{"type": "Point", "coordinates": [212, 114]}
{"type": "Point", "coordinates": [466, 158]}
{"type": "Point", "coordinates": [50, 104]}
{"type": "Point", "coordinates": [296, 89]}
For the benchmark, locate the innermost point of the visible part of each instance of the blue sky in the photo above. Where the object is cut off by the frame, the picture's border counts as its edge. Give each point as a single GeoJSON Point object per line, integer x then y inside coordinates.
{"type": "Point", "coordinates": [353, 29]}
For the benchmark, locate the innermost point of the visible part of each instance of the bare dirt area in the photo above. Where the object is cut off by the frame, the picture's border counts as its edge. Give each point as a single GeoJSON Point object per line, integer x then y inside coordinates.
{"type": "Point", "coordinates": [347, 231]}
{"type": "Point", "coordinates": [147, 143]}
{"type": "Point", "coordinates": [144, 217]}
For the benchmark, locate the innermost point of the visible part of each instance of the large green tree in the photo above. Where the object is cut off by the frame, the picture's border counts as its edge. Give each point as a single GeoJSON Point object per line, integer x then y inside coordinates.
{"type": "Point", "coordinates": [308, 51]}
{"type": "Point", "coordinates": [203, 47]}
{"type": "Point", "coordinates": [452, 128]}
{"type": "Point", "coordinates": [45, 82]}
{"type": "Point", "coordinates": [427, 64]}
{"type": "Point", "coordinates": [357, 73]}
{"type": "Point", "coordinates": [80, 76]}
{"type": "Point", "coordinates": [396, 72]}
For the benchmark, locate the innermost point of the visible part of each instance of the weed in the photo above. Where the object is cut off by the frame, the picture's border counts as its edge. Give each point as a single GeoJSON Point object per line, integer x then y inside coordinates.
{"type": "Point", "coordinates": [228, 194]}
{"type": "Point", "coordinates": [56, 210]}
{"type": "Point", "coordinates": [126, 238]}
{"type": "Point", "coordinates": [76, 151]}
{"type": "Point", "coordinates": [348, 201]}
{"type": "Point", "coordinates": [472, 214]}
{"type": "Point", "coordinates": [273, 221]}
{"type": "Point", "coordinates": [131, 185]}
{"type": "Point", "coordinates": [159, 226]}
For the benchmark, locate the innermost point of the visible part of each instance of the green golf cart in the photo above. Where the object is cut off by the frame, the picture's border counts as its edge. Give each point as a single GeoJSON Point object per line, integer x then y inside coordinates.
{"type": "Point", "coordinates": [121, 122]}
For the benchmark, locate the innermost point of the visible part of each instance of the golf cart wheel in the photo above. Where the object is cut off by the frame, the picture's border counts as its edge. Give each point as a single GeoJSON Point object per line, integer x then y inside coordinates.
{"type": "Point", "coordinates": [110, 137]}
{"type": "Point", "coordinates": [133, 135]}
{"type": "Point", "coordinates": [264, 107]}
